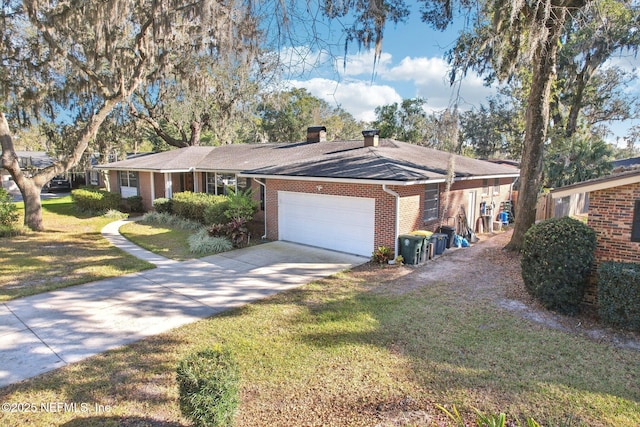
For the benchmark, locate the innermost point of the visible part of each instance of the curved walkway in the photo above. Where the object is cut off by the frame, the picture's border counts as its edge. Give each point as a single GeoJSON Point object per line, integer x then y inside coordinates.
{"type": "Point", "coordinates": [50, 330]}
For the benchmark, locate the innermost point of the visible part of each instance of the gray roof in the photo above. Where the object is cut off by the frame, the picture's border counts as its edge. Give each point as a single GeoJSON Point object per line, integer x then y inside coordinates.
{"type": "Point", "coordinates": [390, 161]}
{"type": "Point", "coordinates": [608, 181]}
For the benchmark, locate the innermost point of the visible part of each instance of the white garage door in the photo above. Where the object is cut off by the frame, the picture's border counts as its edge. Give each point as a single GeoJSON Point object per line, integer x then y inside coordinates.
{"type": "Point", "coordinates": [345, 224]}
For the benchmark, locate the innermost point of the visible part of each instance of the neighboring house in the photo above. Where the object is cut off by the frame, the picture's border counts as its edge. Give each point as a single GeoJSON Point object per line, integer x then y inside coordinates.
{"type": "Point", "coordinates": [350, 196]}
{"type": "Point", "coordinates": [29, 161]}
{"type": "Point", "coordinates": [614, 214]}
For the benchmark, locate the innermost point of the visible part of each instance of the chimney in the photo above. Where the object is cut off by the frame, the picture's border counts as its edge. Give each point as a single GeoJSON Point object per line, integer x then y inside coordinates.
{"type": "Point", "coordinates": [316, 134]}
{"type": "Point", "coordinates": [371, 137]}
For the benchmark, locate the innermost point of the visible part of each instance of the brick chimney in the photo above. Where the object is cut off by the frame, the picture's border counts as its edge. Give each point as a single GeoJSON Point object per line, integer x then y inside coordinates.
{"type": "Point", "coordinates": [316, 134]}
{"type": "Point", "coordinates": [371, 137]}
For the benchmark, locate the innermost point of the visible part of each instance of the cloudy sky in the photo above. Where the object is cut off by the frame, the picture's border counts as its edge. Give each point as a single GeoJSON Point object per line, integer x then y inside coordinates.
{"type": "Point", "coordinates": [412, 65]}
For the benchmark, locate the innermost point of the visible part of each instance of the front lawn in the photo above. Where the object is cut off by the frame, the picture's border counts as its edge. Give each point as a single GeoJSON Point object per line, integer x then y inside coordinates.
{"type": "Point", "coordinates": [72, 251]}
{"type": "Point", "coordinates": [170, 242]}
{"type": "Point", "coordinates": [375, 346]}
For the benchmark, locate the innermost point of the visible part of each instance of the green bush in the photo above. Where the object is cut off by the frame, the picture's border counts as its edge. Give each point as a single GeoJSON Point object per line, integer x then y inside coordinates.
{"type": "Point", "coordinates": [557, 255]}
{"type": "Point", "coordinates": [133, 204]}
{"type": "Point", "coordinates": [192, 205]}
{"type": "Point", "coordinates": [202, 243]}
{"type": "Point", "coordinates": [95, 200]}
{"type": "Point", "coordinates": [8, 209]}
{"type": "Point", "coordinates": [216, 213]}
{"type": "Point", "coordinates": [382, 255]}
{"type": "Point", "coordinates": [208, 386]}
{"type": "Point", "coordinates": [166, 219]}
{"type": "Point", "coordinates": [163, 205]}
{"type": "Point", "coordinates": [241, 205]}
{"type": "Point", "coordinates": [619, 294]}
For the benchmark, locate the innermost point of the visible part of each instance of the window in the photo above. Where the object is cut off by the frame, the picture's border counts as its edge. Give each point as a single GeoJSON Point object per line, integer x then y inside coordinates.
{"type": "Point", "coordinates": [128, 183]}
{"type": "Point", "coordinates": [431, 202]}
{"type": "Point", "coordinates": [218, 183]}
{"type": "Point", "coordinates": [635, 228]}
{"type": "Point", "coordinates": [128, 179]}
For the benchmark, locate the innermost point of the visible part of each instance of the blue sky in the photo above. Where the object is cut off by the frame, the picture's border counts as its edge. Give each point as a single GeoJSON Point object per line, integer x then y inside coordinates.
{"type": "Point", "coordinates": [412, 64]}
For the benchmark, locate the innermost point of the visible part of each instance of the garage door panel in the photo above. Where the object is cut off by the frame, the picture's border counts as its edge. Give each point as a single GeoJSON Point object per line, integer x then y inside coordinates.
{"type": "Point", "coordinates": [334, 222]}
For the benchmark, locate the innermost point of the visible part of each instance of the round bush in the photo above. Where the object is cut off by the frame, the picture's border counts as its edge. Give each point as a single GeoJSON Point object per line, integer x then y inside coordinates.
{"type": "Point", "coordinates": [208, 386]}
{"type": "Point", "coordinates": [557, 255]}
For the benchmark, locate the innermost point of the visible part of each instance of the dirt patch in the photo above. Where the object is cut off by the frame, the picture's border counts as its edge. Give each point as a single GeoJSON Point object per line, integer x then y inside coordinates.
{"type": "Point", "coordinates": [486, 271]}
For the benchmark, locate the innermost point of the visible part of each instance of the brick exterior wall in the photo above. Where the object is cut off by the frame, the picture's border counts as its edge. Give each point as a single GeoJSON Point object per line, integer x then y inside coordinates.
{"type": "Point", "coordinates": [610, 215]}
{"type": "Point", "coordinates": [411, 203]}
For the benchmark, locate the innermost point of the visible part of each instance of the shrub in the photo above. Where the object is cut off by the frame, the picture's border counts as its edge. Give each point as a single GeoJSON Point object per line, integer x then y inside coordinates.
{"type": "Point", "coordinates": [166, 219]}
{"type": "Point", "coordinates": [216, 213]}
{"type": "Point", "coordinates": [208, 387]}
{"type": "Point", "coordinates": [8, 209]}
{"type": "Point", "coordinates": [95, 200]}
{"type": "Point", "coordinates": [619, 293]}
{"type": "Point", "coordinates": [241, 205]}
{"type": "Point", "coordinates": [191, 205]}
{"type": "Point", "coordinates": [163, 205]}
{"type": "Point", "coordinates": [236, 230]}
{"type": "Point", "coordinates": [382, 255]}
{"type": "Point", "coordinates": [133, 204]}
{"type": "Point", "coordinates": [556, 260]}
{"type": "Point", "coordinates": [202, 243]}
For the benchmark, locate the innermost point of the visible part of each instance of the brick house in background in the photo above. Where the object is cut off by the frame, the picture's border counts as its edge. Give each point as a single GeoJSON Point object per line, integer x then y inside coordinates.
{"type": "Point", "coordinates": [614, 214]}
{"type": "Point", "coordinates": [350, 196]}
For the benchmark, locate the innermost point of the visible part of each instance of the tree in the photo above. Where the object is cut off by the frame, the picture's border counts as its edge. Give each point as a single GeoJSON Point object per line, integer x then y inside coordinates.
{"type": "Point", "coordinates": [213, 94]}
{"type": "Point", "coordinates": [287, 115]}
{"type": "Point", "coordinates": [509, 36]}
{"type": "Point", "coordinates": [495, 129]}
{"type": "Point", "coordinates": [506, 35]}
{"type": "Point", "coordinates": [581, 156]}
{"type": "Point", "coordinates": [75, 62]}
{"type": "Point", "coordinates": [592, 36]}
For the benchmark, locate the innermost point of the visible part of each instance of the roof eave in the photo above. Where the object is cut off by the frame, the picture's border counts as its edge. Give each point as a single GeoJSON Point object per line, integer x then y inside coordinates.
{"type": "Point", "coordinates": [345, 180]}
{"type": "Point", "coordinates": [600, 184]}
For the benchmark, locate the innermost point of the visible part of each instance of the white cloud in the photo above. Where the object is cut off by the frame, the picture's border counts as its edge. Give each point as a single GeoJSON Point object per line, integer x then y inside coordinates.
{"type": "Point", "coordinates": [357, 97]}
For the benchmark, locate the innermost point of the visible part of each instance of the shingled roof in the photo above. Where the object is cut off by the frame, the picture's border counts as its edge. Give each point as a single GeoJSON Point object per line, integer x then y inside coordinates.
{"type": "Point", "coordinates": [389, 161]}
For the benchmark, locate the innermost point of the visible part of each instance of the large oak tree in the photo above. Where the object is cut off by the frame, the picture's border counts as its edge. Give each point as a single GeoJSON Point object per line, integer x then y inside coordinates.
{"type": "Point", "coordinates": [74, 61]}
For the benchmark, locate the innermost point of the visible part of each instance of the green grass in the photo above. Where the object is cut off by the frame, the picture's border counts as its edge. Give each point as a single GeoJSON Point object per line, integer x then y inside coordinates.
{"type": "Point", "coordinates": [354, 350]}
{"type": "Point", "coordinates": [170, 242]}
{"type": "Point", "coordinates": [71, 251]}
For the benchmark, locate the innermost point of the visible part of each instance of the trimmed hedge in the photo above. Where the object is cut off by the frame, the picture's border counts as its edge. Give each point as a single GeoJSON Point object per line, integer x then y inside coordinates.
{"type": "Point", "coordinates": [163, 205]}
{"type": "Point", "coordinates": [95, 200]}
{"type": "Point", "coordinates": [192, 205]}
{"type": "Point", "coordinates": [208, 387]}
{"type": "Point", "coordinates": [619, 294]}
{"type": "Point", "coordinates": [557, 255]}
{"type": "Point", "coordinates": [132, 204]}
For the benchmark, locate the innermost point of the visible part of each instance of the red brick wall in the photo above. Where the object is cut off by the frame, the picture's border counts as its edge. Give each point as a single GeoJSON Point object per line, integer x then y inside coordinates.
{"type": "Point", "coordinates": [610, 215]}
{"type": "Point", "coordinates": [385, 204]}
{"type": "Point", "coordinates": [459, 197]}
{"type": "Point", "coordinates": [144, 189]}
{"type": "Point", "coordinates": [411, 203]}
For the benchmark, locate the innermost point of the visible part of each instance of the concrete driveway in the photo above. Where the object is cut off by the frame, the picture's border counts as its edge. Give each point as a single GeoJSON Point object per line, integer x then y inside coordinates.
{"type": "Point", "coordinates": [48, 331]}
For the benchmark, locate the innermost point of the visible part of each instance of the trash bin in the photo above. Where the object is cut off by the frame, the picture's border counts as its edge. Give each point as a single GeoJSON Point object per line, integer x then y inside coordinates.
{"type": "Point", "coordinates": [411, 248]}
{"type": "Point", "coordinates": [439, 242]}
{"type": "Point", "coordinates": [504, 218]}
{"type": "Point", "coordinates": [427, 249]}
{"type": "Point", "coordinates": [450, 232]}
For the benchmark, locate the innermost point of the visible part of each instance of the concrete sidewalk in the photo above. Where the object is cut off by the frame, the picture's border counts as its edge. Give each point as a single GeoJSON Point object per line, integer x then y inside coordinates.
{"type": "Point", "coordinates": [47, 331]}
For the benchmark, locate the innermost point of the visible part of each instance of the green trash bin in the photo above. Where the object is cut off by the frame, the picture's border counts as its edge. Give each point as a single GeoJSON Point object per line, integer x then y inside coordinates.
{"type": "Point", "coordinates": [411, 248]}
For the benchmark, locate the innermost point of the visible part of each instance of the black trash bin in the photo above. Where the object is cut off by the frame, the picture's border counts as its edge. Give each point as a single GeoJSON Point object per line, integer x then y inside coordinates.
{"type": "Point", "coordinates": [411, 248]}
{"type": "Point", "coordinates": [450, 232]}
{"type": "Point", "coordinates": [439, 242]}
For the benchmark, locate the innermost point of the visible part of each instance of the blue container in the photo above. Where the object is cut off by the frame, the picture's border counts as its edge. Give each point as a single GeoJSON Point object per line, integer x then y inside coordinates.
{"type": "Point", "coordinates": [504, 217]}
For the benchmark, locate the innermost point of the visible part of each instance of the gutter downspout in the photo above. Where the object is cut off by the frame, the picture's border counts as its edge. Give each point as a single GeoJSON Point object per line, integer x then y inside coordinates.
{"type": "Point", "coordinates": [265, 207]}
{"type": "Point", "coordinates": [397, 196]}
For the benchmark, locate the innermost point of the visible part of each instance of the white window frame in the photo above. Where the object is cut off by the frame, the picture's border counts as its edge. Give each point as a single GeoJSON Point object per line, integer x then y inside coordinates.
{"type": "Point", "coordinates": [431, 212]}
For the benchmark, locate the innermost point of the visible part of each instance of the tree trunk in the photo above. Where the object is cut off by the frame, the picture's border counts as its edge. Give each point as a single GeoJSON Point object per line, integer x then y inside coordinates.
{"type": "Point", "coordinates": [536, 122]}
{"type": "Point", "coordinates": [32, 205]}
